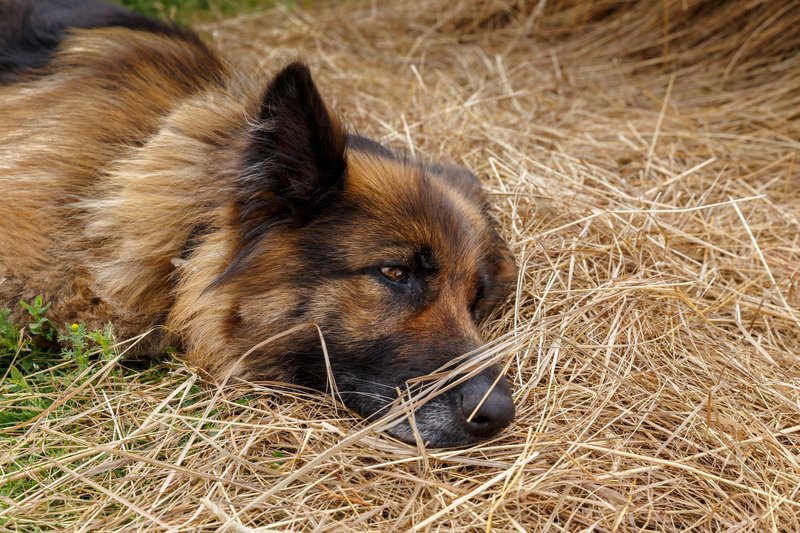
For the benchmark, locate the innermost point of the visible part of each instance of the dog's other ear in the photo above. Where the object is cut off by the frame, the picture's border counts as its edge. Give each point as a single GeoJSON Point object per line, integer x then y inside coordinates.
{"type": "Point", "coordinates": [296, 157]}
{"type": "Point", "coordinates": [462, 180]}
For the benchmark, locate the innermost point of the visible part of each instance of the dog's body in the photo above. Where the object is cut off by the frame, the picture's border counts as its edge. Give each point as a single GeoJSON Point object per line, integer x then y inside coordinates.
{"type": "Point", "coordinates": [143, 183]}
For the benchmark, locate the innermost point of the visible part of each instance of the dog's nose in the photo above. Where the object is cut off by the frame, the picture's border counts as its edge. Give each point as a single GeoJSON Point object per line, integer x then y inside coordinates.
{"type": "Point", "coordinates": [487, 406]}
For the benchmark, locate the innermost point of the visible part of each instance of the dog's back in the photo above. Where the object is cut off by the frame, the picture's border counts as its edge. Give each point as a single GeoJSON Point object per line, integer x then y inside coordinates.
{"type": "Point", "coordinates": [32, 30]}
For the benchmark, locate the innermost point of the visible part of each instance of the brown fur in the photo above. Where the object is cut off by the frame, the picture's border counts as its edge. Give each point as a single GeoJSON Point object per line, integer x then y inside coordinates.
{"type": "Point", "coordinates": [121, 163]}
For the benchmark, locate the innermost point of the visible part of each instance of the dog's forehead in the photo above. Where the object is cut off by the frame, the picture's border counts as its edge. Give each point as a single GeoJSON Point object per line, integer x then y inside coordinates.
{"type": "Point", "coordinates": [404, 201]}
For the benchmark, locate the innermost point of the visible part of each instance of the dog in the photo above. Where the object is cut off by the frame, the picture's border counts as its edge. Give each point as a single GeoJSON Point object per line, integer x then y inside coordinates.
{"type": "Point", "coordinates": [145, 183]}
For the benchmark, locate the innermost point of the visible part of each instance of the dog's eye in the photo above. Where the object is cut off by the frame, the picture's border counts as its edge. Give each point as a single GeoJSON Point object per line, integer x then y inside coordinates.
{"type": "Point", "coordinates": [395, 273]}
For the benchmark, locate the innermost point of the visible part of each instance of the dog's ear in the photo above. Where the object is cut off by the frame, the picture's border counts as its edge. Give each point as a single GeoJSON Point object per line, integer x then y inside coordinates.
{"type": "Point", "coordinates": [295, 160]}
{"type": "Point", "coordinates": [462, 180]}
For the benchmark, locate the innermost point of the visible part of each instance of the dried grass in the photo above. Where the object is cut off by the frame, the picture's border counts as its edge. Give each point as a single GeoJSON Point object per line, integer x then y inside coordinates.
{"type": "Point", "coordinates": [643, 160]}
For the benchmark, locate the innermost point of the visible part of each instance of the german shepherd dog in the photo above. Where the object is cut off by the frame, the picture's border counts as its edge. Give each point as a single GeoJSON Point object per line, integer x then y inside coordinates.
{"type": "Point", "coordinates": [144, 183]}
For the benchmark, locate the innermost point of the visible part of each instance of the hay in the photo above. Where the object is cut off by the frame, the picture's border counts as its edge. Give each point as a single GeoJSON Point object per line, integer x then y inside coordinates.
{"type": "Point", "coordinates": [643, 162]}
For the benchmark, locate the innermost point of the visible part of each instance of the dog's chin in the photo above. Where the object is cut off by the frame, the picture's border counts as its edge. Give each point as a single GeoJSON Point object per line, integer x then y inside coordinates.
{"type": "Point", "coordinates": [432, 437]}
{"type": "Point", "coordinates": [437, 426]}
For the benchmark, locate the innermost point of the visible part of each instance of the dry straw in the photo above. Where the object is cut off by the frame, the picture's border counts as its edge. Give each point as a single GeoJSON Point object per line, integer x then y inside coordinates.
{"type": "Point", "coordinates": [643, 162]}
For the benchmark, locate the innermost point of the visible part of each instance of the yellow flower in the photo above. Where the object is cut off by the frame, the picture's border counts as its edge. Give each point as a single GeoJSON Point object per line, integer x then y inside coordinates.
{"type": "Point", "coordinates": [74, 327]}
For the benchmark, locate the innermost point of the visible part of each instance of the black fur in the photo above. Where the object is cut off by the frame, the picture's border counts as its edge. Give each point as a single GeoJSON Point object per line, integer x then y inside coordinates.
{"type": "Point", "coordinates": [295, 163]}
{"type": "Point", "coordinates": [31, 30]}
{"type": "Point", "coordinates": [195, 238]}
{"type": "Point", "coordinates": [297, 152]}
{"type": "Point", "coordinates": [366, 145]}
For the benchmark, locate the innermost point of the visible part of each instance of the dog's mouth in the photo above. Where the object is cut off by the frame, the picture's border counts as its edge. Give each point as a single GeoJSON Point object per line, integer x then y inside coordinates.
{"type": "Point", "coordinates": [471, 412]}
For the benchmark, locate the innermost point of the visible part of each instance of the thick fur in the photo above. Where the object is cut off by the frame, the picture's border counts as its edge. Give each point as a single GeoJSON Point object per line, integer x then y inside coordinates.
{"type": "Point", "coordinates": [145, 184]}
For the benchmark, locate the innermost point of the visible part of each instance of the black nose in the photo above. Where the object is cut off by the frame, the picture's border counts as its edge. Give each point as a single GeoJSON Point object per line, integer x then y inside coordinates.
{"type": "Point", "coordinates": [487, 406]}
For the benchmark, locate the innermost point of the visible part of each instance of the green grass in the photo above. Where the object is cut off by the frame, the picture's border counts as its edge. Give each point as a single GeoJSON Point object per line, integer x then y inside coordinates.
{"type": "Point", "coordinates": [41, 364]}
{"type": "Point", "coordinates": [37, 358]}
{"type": "Point", "coordinates": [194, 11]}
{"type": "Point", "coordinates": [34, 369]}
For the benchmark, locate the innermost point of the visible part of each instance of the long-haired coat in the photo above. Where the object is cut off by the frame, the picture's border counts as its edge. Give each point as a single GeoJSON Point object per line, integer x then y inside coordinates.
{"type": "Point", "coordinates": [145, 183]}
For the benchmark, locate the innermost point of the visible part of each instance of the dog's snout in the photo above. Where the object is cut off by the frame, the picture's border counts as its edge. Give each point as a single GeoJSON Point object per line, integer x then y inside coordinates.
{"type": "Point", "coordinates": [487, 406]}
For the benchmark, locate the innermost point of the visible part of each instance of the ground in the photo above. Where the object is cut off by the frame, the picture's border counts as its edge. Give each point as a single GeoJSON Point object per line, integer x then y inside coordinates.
{"type": "Point", "coordinates": [642, 160]}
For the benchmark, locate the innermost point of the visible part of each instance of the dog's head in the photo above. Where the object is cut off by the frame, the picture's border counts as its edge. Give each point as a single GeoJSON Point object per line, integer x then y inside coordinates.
{"type": "Point", "coordinates": [394, 260]}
